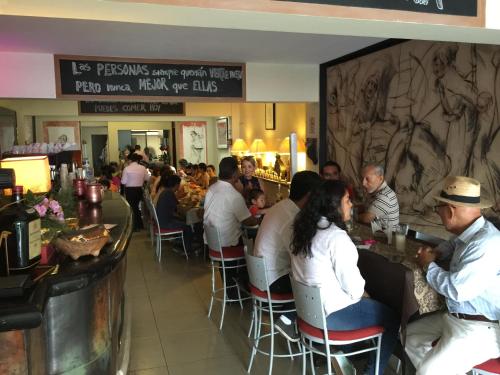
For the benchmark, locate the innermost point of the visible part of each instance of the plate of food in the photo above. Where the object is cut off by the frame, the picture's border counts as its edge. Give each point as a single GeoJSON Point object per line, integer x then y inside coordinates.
{"type": "Point", "coordinates": [82, 242]}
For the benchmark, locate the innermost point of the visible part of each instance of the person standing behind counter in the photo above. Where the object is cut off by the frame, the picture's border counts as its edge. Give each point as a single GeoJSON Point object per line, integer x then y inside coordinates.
{"type": "Point", "coordinates": [133, 177]}
{"type": "Point", "coordinates": [247, 179]}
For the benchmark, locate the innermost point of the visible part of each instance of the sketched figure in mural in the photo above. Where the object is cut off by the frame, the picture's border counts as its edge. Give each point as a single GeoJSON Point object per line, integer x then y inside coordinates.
{"type": "Point", "coordinates": [486, 150]}
{"type": "Point", "coordinates": [197, 146]}
{"type": "Point", "coordinates": [425, 111]}
{"type": "Point", "coordinates": [373, 125]}
{"type": "Point", "coordinates": [338, 134]}
{"type": "Point", "coordinates": [458, 104]}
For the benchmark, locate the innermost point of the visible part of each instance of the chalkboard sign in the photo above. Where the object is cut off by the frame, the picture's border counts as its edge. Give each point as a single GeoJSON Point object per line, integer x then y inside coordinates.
{"type": "Point", "coordinates": [82, 77]}
{"type": "Point", "coordinates": [131, 108]}
{"type": "Point", "coordinates": [448, 7]}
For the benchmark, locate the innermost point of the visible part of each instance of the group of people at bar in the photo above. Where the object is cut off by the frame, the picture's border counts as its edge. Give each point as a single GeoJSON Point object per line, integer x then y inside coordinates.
{"type": "Point", "coordinates": [305, 237]}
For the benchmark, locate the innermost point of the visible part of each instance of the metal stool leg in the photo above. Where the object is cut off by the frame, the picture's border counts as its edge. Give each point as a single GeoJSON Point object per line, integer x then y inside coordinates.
{"type": "Point", "coordinates": [224, 298]}
{"type": "Point", "coordinates": [213, 289]}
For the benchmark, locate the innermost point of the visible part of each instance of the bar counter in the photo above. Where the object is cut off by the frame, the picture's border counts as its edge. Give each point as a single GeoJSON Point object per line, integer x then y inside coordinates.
{"type": "Point", "coordinates": [74, 319]}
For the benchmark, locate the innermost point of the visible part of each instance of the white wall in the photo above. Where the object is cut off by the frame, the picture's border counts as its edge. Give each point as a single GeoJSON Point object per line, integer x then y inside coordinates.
{"type": "Point", "coordinates": [27, 75]}
{"type": "Point", "coordinates": [282, 83]}
{"type": "Point", "coordinates": [31, 75]}
{"type": "Point", "coordinates": [492, 14]}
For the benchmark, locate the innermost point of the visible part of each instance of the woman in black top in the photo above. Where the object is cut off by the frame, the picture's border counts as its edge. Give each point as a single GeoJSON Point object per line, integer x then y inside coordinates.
{"type": "Point", "coordinates": [247, 179]}
{"type": "Point", "coordinates": [166, 210]}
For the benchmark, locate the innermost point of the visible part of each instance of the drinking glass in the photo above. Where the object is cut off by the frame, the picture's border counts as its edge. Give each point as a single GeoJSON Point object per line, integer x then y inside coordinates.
{"type": "Point", "coordinates": [401, 232]}
{"type": "Point", "coordinates": [387, 228]}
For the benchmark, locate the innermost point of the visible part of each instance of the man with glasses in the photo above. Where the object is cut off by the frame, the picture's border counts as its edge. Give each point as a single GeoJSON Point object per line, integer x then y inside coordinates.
{"type": "Point", "coordinates": [469, 332]}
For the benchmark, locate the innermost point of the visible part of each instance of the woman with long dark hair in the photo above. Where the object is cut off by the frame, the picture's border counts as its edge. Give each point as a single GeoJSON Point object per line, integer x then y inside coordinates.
{"type": "Point", "coordinates": [325, 256]}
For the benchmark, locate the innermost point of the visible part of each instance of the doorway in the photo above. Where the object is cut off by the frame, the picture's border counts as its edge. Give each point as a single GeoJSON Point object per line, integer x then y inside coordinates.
{"type": "Point", "coordinates": [99, 152]}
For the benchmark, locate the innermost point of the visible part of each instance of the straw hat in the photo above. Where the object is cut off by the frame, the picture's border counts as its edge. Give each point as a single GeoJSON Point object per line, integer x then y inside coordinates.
{"type": "Point", "coordinates": [462, 191]}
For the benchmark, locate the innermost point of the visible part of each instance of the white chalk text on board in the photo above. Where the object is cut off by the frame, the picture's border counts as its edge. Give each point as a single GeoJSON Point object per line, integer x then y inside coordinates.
{"type": "Point", "coordinates": [127, 78]}
{"type": "Point", "coordinates": [466, 8]}
{"type": "Point", "coordinates": [131, 108]}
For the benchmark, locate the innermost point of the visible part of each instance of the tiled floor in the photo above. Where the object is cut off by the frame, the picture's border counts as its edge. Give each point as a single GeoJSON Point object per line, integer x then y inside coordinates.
{"type": "Point", "coordinates": [171, 333]}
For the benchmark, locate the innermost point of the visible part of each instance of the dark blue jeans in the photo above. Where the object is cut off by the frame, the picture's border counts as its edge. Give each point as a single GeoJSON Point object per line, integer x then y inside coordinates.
{"type": "Point", "coordinates": [186, 231]}
{"type": "Point", "coordinates": [365, 313]}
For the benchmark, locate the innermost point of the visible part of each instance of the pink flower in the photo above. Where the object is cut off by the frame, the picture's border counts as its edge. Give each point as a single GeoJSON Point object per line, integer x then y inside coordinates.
{"type": "Point", "coordinates": [45, 202]}
{"type": "Point", "coordinates": [41, 209]}
{"type": "Point", "coordinates": [55, 207]}
{"type": "Point", "coordinates": [60, 216]}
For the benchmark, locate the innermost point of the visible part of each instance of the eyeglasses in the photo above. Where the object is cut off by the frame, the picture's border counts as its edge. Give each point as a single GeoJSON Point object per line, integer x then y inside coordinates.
{"type": "Point", "coordinates": [436, 207]}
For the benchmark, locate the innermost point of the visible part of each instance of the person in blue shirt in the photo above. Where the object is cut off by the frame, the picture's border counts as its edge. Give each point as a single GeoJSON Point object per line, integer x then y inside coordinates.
{"type": "Point", "coordinates": [166, 209]}
{"type": "Point", "coordinates": [468, 334]}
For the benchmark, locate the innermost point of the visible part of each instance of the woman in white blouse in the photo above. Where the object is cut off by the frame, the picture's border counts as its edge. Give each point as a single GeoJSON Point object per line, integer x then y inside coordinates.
{"type": "Point", "coordinates": [323, 255]}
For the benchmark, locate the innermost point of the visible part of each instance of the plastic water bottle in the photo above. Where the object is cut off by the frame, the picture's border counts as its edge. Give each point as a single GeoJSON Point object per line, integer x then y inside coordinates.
{"type": "Point", "coordinates": [88, 171]}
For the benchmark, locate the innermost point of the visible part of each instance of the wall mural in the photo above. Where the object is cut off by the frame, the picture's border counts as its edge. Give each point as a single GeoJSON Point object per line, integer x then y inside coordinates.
{"type": "Point", "coordinates": [424, 110]}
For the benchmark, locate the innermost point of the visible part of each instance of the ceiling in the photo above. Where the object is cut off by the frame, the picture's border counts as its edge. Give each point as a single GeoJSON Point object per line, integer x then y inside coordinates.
{"type": "Point", "coordinates": [150, 29]}
{"type": "Point", "coordinates": [107, 38]}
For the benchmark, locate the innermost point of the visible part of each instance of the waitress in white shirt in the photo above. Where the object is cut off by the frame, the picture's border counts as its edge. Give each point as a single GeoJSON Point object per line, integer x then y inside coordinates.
{"type": "Point", "coordinates": [323, 255]}
{"type": "Point", "coordinates": [133, 177]}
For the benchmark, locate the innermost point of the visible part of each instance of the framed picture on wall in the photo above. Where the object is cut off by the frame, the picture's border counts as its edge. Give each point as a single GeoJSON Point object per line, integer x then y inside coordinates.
{"type": "Point", "coordinates": [194, 141]}
{"type": "Point", "coordinates": [66, 133]}
{"type": "Point", "coordinates": [222, 132]}
{"type": "Point", "coordinates": [270, 116]}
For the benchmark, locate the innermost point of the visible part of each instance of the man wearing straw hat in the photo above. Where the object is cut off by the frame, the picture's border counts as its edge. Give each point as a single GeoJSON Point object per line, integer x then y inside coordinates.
{"type": "Point", "coordinates": [469, 332]}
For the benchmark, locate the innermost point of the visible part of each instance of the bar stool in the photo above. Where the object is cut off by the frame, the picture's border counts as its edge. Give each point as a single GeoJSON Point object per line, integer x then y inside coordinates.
{"type": "Point", "coordinates": [487, 368]}
{"type": "Point", "coordinates": [161, 234]}
{"type": "Point", "coordinates": [222, 255]}
{"type": "Point", "coordinates": [265, 301]}
{"type": "Point", "coordinates": [312, 326]}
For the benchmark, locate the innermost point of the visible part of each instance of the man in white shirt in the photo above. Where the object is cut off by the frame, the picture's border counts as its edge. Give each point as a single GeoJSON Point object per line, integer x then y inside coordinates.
{"type": "Point", "coordinates": [273, 242]}
{"type": "Point", "coordinates": [133, 177]}
{"type": "Point", "coordinates": [225, 209]}
{"type": "Point", "coordinates": [275, 232]}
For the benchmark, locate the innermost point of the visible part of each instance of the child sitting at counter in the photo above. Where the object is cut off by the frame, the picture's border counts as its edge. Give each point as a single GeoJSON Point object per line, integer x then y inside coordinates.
{"type": "Point", "coordinates": [257, 200]}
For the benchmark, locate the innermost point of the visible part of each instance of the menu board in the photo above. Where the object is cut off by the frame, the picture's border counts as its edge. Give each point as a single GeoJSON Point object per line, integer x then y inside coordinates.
{"type": "Point", "coordinates": [466, 8]}
{"type": "Point", "coordinates": [100, 77]}
{"type": "Point", "coordinates": [131, 108]}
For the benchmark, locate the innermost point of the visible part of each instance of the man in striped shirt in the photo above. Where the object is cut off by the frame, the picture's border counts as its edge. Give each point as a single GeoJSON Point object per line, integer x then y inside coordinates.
{"type": "Point", "coordinates": [383, 202]}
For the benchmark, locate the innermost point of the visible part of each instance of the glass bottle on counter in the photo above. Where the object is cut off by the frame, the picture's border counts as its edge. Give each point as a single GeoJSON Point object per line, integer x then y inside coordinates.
{"type": "Point", "coordinates": [25, 241]}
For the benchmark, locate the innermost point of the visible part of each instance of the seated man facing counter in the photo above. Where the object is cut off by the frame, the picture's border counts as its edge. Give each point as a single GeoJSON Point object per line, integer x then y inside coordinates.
{"type": "Point", "coordinates": [330, 170]}
{"type": "Point", "coordinates": [226, 209]}
{"type": "Point", "coordinates": [275, 232]}
{"type": "Point", "coordinates": [469, 333]}
{"type": "Point", "coordinates": [383, 202]}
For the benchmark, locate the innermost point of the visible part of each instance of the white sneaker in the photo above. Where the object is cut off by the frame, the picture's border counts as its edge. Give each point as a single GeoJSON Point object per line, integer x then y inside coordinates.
{"type": "Point", "coordinates": [287, 330]}
{"type": "Point", "coordinates": [342, 365]}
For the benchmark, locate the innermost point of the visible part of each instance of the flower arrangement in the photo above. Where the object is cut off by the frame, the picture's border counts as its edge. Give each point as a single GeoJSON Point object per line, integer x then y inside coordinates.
{"type": "Point", "coordinates": [50, 208]}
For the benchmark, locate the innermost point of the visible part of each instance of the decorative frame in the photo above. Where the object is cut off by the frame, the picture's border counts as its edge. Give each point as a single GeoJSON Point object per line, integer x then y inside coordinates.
{"type": "Point", "coordinates": [193, 141]}
{"type": "Point", "coordinates": [53, 132]}
{"type": "Point", "coordinates": [270, 116]}
{"type": "Point", "coordinates": [222, 132]}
